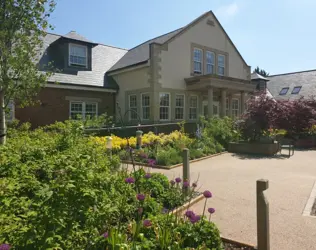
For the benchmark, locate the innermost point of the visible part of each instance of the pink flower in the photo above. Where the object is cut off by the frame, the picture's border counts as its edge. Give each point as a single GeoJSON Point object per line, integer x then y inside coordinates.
{"type": "Point", "coordinates": [140, 197]}
{"type": "Point", "coordinates": [207, 194]}
{"type": "Point", "coordinates": [147, 223]}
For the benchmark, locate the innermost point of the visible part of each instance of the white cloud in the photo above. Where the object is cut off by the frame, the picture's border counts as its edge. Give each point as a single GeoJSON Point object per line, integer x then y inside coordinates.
{"type": "Point", "coordinates": [227, 11]}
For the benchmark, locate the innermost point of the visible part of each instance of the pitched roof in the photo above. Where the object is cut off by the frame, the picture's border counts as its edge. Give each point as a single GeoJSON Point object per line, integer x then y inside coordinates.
{"type": "Point", "coordinates": [103, 58]}
{"type": "Point", "coordinates": [305, 79]}
{"type": "Point", "coordinates": [256, 76]}
{"type": "Point", "coordinates": [75, 36]}
{"type": "Point", "coordinates": [140, 53]}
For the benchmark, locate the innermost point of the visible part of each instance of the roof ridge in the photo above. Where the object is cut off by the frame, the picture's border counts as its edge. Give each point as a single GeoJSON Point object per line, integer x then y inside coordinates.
{"type": "Point", "coordinates": [155, 38]}
{"type": "Point", "coordinates": [290, 73]}
{"type": "Point", "coordinates": [55, 34]}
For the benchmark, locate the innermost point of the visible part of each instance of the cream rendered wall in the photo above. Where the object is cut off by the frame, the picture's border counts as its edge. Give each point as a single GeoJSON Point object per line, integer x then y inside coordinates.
{"type": "Point", "coordinates": [176, 61]}
{"type": "Point", "coordinates": [131, 82]}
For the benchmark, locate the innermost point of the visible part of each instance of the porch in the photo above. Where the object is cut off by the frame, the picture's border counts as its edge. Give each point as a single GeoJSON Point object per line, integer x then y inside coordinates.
{"type": "Point", "coordinates": [222, 96]}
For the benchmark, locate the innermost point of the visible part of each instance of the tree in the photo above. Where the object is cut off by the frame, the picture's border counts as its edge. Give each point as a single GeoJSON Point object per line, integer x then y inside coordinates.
{"type": "Point", "coordinates": [261, 72]}
{"type": "Point", "coordinates": [23, 24]}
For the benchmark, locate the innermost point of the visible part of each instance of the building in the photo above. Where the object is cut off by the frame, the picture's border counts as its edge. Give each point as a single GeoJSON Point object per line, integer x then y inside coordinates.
{"type": "Point", "coordinates": [192, 71]}
{"type": "Point", "coordinates": [80, 86]}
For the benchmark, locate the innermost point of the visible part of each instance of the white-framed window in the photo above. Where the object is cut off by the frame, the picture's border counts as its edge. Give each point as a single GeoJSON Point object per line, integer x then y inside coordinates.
{"type": "Point", "coordinates": [227, 107]}
{"type": "Point", "coordinates": [179, 108]}
{"type": "Point", "coordinates": [82, 110]}
{"type": "Point", "coordinates": [198, 60]}
{"type": "Point", "coordinates": [193, 107]}
{"type": "Point", "coordinates": [210, 62]}
{"type": "Point", "coordinates": [145, 106]}
{"type": "Point", "coordinates": [221, 65]}
{"type": "Point", "coordinates": [235, 108]}
{"type": "Point", "coordinates": [10, 112]}
{"type": "Point", "coordinates": [78, 55]}
{"type": "Point", "coordinates": [164, 109]}
{"type": "Point", "coordinates": [132, 99]}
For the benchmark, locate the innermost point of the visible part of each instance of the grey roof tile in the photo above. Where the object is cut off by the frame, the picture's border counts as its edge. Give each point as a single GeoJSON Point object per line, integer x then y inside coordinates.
{"type": "Point", "coordinates": [306, 79]}
{"type": "Point", "coordinates": [256, 76]}
{"type": "Point", "coordinates": [75, 36]}
{"type": "Point", "coordinates": [103, 58]}
{"type": "Point", "coordinates": [141, 52]}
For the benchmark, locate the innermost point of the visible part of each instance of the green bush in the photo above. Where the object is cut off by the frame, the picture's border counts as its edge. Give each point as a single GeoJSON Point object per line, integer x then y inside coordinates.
{"type": "Point", "coordinates": [168, 156]}
{"type": "Point", "coordinates": [221, 129]}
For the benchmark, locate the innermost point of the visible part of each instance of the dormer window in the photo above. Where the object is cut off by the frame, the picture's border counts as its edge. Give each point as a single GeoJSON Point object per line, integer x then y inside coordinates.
{"type": "Point", "coordinates": [78, 55]}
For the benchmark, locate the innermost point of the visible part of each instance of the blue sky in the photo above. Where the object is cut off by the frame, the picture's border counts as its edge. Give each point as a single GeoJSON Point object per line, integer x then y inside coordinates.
{"type": "Point", "coordinates": [277, 35]}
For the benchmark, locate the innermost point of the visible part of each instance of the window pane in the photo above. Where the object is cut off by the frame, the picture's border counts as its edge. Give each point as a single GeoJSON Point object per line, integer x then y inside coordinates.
{"type": "Point", "coordinates": [164, 106]}
{"type": "Point", "coordinates": [145, 106]}
{"type": "Point", "coordinates": [296, 90]}
{"type": "Point", "coordinates": [78, 55]}
{"type": "Point", "coordinates": [210, 57]}
{"type": "Point", "coordinates": [221, 60]}
{"type": "Point", "coordinates": [197, 58]}
{"type": "Point", "coordinates": [193, 108]}
{"type": "Point", "coordinates": [76, 110]}
{"type": "Point", "coordinates": [221, 71]}
{"type": "Point", "coordinates": [132, 101]}
{"type": "Point", "coordinates": [209, 69]}
{"type": "Point", "coordinates": [179, 110]}
{"type": "Point", "coordinates": [235, 107]}
{"type": "Point", "coordinates": [284, 91]}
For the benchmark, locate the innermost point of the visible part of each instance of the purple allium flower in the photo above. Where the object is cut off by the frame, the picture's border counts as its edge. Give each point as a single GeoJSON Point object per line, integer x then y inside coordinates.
{"type": "Point", "coordinates": [151, 162]}
{"type": "Point", "coordinates": [130, 180]}
{"type": "Point", "coordinates": [105, 235]}
{"type": "Point", "coordinates": [178, 180]}
{"type": "Point", "coordinates": [186, 184]}
{"type": "Point", "coordinates": [147, 175]}
{"type": "Point", "coordinates": [211, 210]}
{"type": "Point", "coordinates": [207, 194]}
{"type": "Point", "coordinates": [194, 184]}
{"type": "Point", "coordinates": [172, 182]}
{"type": "Point", "coordinates": [190, 214]}
{"type": "Point", "coordinates": [147, 223]}
{"type": "Point", "coordinates": [140, 210]}
{"type": "Point", "coordinates": [5, 247]}
{"type": "Point", "coordinates": [140, 197]}
{"type": "Point", "coordinates": [195, 219]}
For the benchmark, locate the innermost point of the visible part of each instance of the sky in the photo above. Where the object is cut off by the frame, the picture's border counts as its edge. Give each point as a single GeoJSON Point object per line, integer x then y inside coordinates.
{"type": "Point", "coordinates": [276, 35]}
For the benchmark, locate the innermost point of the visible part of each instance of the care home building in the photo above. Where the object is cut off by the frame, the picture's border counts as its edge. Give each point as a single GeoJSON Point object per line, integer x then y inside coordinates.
{"type": "Point", "coordinates": [192, 71]}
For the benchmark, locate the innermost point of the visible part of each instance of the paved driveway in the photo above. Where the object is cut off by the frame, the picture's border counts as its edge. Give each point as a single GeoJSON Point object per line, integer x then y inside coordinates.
{"type": "Point", "coordinates": [232, 180]}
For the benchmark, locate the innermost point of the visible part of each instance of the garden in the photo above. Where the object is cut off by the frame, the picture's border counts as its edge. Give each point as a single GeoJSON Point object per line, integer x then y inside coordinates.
{"type": "Point", "coordinates": [165, 150]}
{"type": "Point", "coordinates": [60, 189]}
{"type": "Point", "coordinates": [267, 122]}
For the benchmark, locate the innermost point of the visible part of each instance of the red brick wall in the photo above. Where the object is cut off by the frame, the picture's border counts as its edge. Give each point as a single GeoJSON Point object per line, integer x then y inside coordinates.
{"type": "Point", "coordinates": [54, 106]}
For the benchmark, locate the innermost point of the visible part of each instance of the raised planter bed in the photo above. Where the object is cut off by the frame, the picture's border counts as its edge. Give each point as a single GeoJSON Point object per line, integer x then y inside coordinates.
{"type": "Point", "coordinates": [258, 148]}
{"type": "Point", "coordinates": [230, 244]}
{"type": "Point", "coordinates": [173, 166]}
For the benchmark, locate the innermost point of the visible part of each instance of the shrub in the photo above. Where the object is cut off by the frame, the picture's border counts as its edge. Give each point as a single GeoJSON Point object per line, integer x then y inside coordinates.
{"type": "Point", "coordinates": [221, 129]}
{"type": "Point", "coordinates": [168, 156]}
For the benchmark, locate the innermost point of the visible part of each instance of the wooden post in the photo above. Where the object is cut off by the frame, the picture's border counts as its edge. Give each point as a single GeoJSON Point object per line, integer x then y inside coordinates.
{"type": "Point", "coordinates": [186, 168]}
{"type": "Point", "coordinates": [263, 236]}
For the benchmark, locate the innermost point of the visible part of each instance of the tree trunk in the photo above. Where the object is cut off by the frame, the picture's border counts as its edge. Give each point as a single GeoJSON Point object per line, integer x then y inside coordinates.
{"type": "Point", "coordinates": [2, 120]}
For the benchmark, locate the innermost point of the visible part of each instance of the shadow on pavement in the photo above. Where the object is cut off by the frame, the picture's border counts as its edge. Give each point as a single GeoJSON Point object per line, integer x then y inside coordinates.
{"type": "Point", "coordinates": [259, 157]}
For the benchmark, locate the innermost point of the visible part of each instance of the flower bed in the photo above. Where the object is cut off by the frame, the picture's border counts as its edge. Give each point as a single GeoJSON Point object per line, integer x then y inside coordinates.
{"type": "Point", "coordinates": [162, 150]}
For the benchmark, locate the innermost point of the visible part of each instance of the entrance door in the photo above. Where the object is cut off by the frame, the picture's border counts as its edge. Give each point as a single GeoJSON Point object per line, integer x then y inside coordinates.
{"type": "Point", "coordinates": [215, 108]}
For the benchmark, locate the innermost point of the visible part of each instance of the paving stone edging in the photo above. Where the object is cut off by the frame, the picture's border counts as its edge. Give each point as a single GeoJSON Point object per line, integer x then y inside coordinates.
{"type": "Point", "coordinates": [173, 166]}
{"type": "Point", "coordinates": [310, 202]}
{"type": "Point", "coordinates": [238, 243]}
